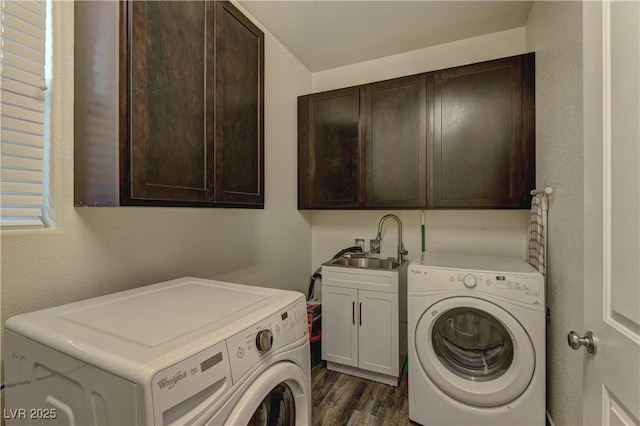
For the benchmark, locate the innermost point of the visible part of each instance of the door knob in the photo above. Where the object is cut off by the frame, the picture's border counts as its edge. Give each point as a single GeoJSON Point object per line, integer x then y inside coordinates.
{"type": "Point", "coordinates": [588, 341]}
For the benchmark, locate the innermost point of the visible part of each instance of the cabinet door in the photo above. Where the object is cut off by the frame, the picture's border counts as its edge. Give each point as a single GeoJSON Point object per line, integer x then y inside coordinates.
{"type": "Point", "coordinates": [166, 116]}
{"type": "Point", "coordinates": [339, 325]}
{"type": "Point", "coordinates": [482, 144]}
{"type": "Point", "coordinates": [239, 107]}
{"type": "Point", "coordinates": [395, 117]}
{"type": "Point", "coordinates": [329, 150]}
{"type": "Point", "coordinates": [379, 332]}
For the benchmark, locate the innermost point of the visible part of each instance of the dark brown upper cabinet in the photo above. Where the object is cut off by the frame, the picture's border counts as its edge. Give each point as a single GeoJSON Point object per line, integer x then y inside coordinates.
{"type": "Point", "coordinates": [363, 147]}
{"type": "Point", "coordinates": [395, 123]}
{"type": "Point", "coordinates": [193, 122]}
{"type": "Point", "coordinates": [167, 95]}
{"type": "Point", "coordinates": [239, 100]}
{"type": "Point", "coordinates": [329, 150]}
{"type": "Point", "coordinates": [189, 98]}
{"type": "Point", "coordinates": [462, 137]}
{"type": "Point", "coordinates": [482, 143]}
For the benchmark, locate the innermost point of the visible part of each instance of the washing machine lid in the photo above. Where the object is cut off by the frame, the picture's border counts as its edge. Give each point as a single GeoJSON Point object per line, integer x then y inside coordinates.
{"type": "Point", "coordinates": [475, 351]}
{"type": "Point", "coordinates": [466, 262]}
{"type": "Point", "coordinates": [151, 326]}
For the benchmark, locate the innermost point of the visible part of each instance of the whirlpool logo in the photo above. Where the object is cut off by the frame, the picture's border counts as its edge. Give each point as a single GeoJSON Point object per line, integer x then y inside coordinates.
{"type": "Point", "coordinates": [168, 383]}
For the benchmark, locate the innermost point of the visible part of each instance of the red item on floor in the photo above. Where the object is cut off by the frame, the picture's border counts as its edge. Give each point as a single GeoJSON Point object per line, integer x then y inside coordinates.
{"type": "Point", "coordinates": [314, 313]}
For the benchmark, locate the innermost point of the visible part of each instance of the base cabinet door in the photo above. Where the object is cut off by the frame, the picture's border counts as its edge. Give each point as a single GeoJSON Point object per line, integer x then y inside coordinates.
{"type": "Point", "coordinates": [361, 328]}
{"type": "Point", "coordinates": [340, 339]}
{"type": "Point", "coordinates": [378, 334]}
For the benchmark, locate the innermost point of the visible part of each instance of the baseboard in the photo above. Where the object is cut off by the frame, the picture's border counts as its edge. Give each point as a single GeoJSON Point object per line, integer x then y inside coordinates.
{"type": "Point", "coordinates": [364, 374]}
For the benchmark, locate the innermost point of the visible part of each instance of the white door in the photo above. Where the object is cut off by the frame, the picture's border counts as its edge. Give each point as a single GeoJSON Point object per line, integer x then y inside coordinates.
{"type": "Point", "coordinates": [379, 332]}
{"type": "Point", "coordinates": [339, 325]}
{"type": "Point", "coordinates": [611, 35]}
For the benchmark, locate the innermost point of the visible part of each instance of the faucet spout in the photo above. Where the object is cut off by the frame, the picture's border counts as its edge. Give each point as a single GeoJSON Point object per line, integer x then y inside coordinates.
{"type": "Point", "coordinates": [401, 250]}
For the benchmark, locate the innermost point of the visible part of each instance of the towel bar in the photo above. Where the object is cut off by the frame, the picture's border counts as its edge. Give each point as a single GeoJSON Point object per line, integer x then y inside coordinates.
{"type": "Point", "coordinates": [547, 190]}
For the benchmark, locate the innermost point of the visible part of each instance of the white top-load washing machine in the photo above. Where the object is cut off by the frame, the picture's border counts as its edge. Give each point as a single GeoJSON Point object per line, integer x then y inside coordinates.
{"type": "Point", "coordinates": [476, 341]}
{"type": "Point", "coordinates": [186, 351]}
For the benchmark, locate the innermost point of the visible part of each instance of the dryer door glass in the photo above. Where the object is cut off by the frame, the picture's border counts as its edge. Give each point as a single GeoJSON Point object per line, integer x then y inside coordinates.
{"type": "Point", "coordinates": [278, 408]}
{"type": "Point", "coordinates": [472, 344]}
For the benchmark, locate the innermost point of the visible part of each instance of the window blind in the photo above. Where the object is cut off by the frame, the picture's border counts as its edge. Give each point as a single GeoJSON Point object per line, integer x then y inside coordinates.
{"type": "Point", "coordinates": [22, 103]}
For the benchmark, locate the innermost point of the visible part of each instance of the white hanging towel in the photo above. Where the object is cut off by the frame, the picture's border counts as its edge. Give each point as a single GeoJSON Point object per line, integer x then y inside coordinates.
{"type": "Point", "coordinates": [538, 232]}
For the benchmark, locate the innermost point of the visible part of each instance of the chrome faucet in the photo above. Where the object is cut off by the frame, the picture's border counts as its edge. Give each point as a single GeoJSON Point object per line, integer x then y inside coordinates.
{"type": "Point", "coordinates": [401, 250]}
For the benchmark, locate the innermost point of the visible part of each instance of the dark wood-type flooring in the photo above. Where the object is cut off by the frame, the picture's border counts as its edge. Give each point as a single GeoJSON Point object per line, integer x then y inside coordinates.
{"type": "Point", "coordinates": [339, 399]}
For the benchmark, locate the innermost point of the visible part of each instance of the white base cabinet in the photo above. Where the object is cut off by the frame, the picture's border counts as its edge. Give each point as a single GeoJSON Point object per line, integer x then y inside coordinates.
{"type": "Point", "coordinates": [364, 322]}
{"type": "Point", "coordinates": [339, 327]}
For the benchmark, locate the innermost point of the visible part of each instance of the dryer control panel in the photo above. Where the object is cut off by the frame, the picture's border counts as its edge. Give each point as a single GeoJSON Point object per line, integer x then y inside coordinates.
{"type": "Point", "coordinates": [188, 387]}
{"type": "Point", "coordinates": [525, 288]}
{"type": "Point", "coordinates": [248, 347]}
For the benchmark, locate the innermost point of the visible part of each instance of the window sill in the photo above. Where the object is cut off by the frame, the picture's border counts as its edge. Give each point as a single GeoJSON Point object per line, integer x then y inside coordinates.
{"type": "Point", "coordinates": [29, 231]}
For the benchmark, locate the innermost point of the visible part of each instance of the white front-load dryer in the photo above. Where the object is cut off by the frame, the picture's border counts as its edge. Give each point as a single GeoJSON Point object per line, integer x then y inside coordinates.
{"type": "Point", "coordinates": [476, 341]}
{"type": "Point", "coordinates": [187, 351]}
{"type": "Point", "coordinates": [276, 393]}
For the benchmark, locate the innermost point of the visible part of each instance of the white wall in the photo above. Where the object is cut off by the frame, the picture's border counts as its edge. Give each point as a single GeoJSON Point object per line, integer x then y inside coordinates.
{"type": "Point", "coordinates": [497, 232]}
{"type": "Point", "coordinates": [467, 51]}
{"type": "Point", "coordinates": [492, 232]}
{"type": "Point", "coordinates": [94, 251]}
{"type": "Point", "coordinates": [554, 31]}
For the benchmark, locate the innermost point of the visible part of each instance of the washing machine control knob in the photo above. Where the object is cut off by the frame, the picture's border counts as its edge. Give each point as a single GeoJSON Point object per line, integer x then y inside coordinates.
{"type": "Point", "coordinates": [469, 281]}
{"type": "Point", "coordinates": [264, 340]}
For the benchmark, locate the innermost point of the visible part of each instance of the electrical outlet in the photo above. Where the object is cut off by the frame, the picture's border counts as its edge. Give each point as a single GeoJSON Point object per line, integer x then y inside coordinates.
{"type": "Point", "coordinates": [374, 245]}
{"type": "Point", "coordinates": [359, 242]}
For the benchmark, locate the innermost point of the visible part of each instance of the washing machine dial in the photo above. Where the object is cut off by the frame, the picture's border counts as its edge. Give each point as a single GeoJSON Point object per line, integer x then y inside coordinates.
{"type": "Point", "coordinates": [264, 340]}
{"type": "Point", "coordinates": [469, 281]}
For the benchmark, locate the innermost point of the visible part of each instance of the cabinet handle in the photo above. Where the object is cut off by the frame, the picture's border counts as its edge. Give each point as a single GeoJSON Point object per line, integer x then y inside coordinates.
{"type": "Point", "coordinates": [360, 312]}
{"type": "Point", "coordinates": [353, 312]}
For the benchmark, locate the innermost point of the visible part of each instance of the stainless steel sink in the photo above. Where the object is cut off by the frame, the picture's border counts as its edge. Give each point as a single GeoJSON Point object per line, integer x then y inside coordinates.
{"type": "Point", "coordinates": [364, 262]}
